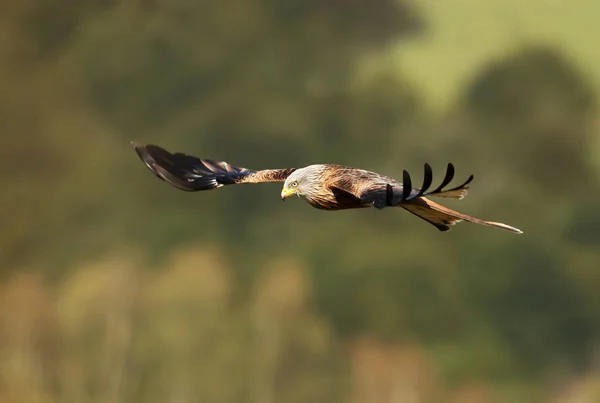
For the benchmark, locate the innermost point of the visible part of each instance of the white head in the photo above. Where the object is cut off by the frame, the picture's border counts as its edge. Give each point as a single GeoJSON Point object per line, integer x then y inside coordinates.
{"type": "Point", "coordinates": [304, 182]}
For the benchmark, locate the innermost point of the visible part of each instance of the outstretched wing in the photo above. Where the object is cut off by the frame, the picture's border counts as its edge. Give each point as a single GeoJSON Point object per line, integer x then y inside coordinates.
{"type": "Point", "coordinates": [381, 191]}
{"type": "Point", "coordinates": [457, 192]}
{"type": "Point", "coordinates": [192, 174]}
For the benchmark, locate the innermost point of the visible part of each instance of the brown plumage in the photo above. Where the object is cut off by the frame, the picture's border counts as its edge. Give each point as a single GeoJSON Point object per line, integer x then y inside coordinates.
{"type": "Point", "coordinates": [324, 186]}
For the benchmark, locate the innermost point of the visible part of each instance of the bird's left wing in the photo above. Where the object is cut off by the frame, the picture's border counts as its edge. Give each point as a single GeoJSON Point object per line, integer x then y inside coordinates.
{"type": "Point", "coordinates": [192, 174]}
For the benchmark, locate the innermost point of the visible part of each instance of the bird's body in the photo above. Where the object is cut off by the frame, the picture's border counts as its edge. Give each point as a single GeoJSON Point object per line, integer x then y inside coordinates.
{"type": "Point", "coordinates": [339, 187]}
{"type": "Point", "coordinates": [324, 186]}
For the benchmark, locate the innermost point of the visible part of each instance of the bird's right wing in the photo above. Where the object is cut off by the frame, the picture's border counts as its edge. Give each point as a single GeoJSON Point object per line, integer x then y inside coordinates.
{"type": "Point", "coordinates": [382, 191]}
{"type": "Point", "coordinates": [386, 192]}
{"type": "Point", "coordinates": [192, 174]}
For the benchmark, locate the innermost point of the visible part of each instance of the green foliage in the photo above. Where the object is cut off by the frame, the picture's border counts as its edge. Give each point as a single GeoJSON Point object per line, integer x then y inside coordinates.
{"type": "Point", "coordinates": [537, 104]}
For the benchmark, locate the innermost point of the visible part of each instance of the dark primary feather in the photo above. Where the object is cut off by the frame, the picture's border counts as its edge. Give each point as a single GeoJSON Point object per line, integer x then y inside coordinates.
{"type": "Point", "coordinates": [193, 174]}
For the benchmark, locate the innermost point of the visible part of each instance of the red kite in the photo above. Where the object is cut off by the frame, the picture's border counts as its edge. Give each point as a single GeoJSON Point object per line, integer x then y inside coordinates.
{"type": "Point", "coordinates": [324, 186]}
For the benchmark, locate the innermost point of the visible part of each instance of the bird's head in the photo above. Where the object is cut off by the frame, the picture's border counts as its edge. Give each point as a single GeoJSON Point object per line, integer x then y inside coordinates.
{"type": "Point", "coordinates": [302, 182]}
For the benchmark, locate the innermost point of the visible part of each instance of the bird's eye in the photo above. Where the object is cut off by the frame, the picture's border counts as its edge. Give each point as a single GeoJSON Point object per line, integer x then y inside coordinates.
{"type": "Point", "coordinates": [294, 184]}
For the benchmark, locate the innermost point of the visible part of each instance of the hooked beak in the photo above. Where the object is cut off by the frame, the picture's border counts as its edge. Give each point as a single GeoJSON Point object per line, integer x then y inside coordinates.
{"type": "Point", "coordinates": [285, 193]}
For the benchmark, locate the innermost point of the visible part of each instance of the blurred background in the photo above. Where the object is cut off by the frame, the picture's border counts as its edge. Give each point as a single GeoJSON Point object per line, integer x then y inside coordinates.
{"type": "Point", "coordinates": [116, 287]}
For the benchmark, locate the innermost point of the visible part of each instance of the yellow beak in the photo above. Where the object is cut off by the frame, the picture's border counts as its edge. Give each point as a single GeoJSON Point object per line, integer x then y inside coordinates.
{"type": "Point", "coordinates": [285, 193]}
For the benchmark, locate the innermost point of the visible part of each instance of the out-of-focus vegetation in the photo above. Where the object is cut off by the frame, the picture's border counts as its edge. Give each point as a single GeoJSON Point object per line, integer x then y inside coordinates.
{"type": "Point", "coordinates": [119, 288]}
{"type": "Point", "coordinates": [470, 31]}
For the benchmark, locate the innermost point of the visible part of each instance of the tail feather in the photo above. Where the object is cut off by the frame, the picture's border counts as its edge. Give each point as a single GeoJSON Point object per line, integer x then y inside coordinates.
{"type": "Point", "coordinates": [444, 218]}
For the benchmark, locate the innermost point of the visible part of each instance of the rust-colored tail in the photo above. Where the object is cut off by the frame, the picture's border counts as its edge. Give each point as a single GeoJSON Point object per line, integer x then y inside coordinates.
{"type": "Point", "coordinates": [444, 218]}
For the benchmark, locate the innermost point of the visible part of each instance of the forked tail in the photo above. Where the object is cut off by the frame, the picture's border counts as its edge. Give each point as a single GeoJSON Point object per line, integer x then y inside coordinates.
{"type": "Point", "coordinates": [444, 218]}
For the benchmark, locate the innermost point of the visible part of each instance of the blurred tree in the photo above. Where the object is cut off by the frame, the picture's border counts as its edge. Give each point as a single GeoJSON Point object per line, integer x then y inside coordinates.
{"type": "Point", "coordinates": [534, 304]}
{"type": "Point", "coordinates": [531, 117]}
{"type": "Point", "coordinates": [51, 25]}
{"type": "Point", "coordinates": [196, 66]}
{"type": "Point", "coordinates": [540, 108]}
{"type": "Point", "coordinates": [271, 84]}
{"type": "Point", "coordinates": [245, 81]}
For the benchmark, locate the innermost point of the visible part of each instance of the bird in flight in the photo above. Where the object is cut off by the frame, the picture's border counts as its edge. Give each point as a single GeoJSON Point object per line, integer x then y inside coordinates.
{"type": "Point", "coordinates": [324, 186]}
